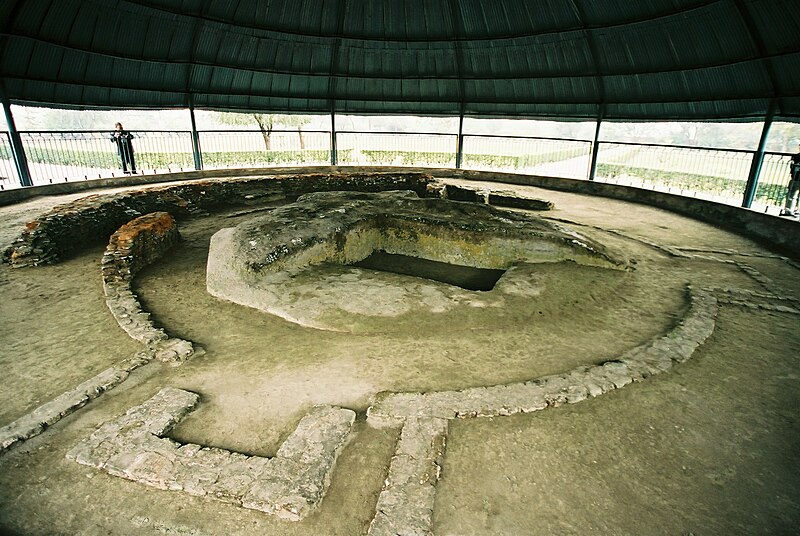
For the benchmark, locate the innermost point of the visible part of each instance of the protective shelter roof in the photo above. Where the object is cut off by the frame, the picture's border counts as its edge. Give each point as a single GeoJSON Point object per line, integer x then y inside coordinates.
{"type": "Point", "coordinates": [619, 59]}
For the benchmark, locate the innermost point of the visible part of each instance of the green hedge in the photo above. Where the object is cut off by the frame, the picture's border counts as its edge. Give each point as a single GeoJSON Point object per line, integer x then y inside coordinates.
{"type": "Point", "coordinates": [765, 193]}
{"type": "Point", "coordinates": [409, 157]}
{"type": "Point", "coordinates": [447, 158]}
{"type": "Point", "coordinates": [677, 179]}
{"type": "Point", "coordinates": [91, 159]}
{"type": "Point", "coordinates": [158, 160]}
{"type": "Point", "coordinates": [521, 161]}
{"type": "Point", "coordinates": [238, 158]}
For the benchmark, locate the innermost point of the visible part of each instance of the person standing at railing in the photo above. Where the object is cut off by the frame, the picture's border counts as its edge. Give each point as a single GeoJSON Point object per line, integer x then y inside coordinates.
{"type": "Point", "coordinates": [790, 208]}
{"type": "Point", "coordinates": [124, 148]}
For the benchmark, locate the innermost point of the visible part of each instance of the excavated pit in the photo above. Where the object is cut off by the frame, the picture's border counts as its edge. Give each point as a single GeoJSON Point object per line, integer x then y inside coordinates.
{"type": "Point", "coordinates": [466, 277]}
{"type": "Point", "coordinates": [332, 259]}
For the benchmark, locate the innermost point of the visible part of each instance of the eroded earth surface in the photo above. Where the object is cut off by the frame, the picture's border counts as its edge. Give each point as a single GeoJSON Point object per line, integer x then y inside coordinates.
{"type": "Point", "coordinates": [707, 446]}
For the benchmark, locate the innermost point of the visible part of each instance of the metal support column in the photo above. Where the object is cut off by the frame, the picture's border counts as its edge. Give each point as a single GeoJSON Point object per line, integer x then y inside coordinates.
{"type": "Point", "coordinates": [595, 148]}
{"type": "Point", "coordinates": [17, 151]}
{"type": "Point", "coordinates": [460, 140]}
{"type": "Point", "coordinates": [198, 155]}
{"type": "Point", "coordinates": [758, 158]}
{"type": "Point", "coordinates": [334, 155]}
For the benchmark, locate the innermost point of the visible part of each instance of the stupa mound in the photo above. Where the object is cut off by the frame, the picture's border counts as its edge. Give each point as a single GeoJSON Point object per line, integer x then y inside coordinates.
{"type": "Point", "coordinates": [313, 260]}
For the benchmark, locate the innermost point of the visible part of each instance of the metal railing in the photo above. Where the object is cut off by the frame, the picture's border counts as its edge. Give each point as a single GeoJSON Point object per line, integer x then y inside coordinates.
{"type": "Point", "coordinates": [716, 174]}
{"type": "Point", "coordinates": [554, 157]}
{"type": "Point", "coordinates": [9, 178]}
{"type": "Point", "coordinates": [254, 148]}
{"type": "Point", "coordinates": [63, 156]}
{"type": "Point", "coordinates": [419, 149]}
{"type": "Point", "coordinates": [703, 172]}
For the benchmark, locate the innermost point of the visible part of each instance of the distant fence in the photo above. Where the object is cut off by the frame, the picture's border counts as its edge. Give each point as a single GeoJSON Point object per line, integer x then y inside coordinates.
{"type": "Point", "coordinates": [9, 178]}
{"type": "Point", "coordinates": [704, 172]}
{"type": "Point", "coordinates": [253, 148]}
{"type": "Point", "coordinates": [565, 158]}
{"type": "Point", "coordinates": [712, 173]}
{"type": "Point", "coordinates": [62, 156]}
{"type": "Point", "coordinates": [708, 173]}
{"type": "Point", "coordinates": [396, 149]}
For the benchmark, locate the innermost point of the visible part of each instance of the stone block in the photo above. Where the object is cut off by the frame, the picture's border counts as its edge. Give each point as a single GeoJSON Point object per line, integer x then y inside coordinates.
{"type": "Point", "coordinates": [405, 505]}
{"type": "Point", "coordinates": [290, 485]}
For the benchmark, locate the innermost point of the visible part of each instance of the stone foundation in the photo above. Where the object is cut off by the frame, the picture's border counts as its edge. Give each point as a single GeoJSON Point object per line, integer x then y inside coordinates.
{"type": "Point", "coordinates": [390, 409]}
{"type": "Point", "coordinates": [496, 198]}
{"type": "Point", "coordinates": [290, 485]}
{"type": "Point", "coordinates": [131, 248]}
{"type": "Point", "coordinates": [92, 219]}
{"type": "Point", "coordinates": [37, 421]}
{"type": "Point", "coordinates": [405, 505]}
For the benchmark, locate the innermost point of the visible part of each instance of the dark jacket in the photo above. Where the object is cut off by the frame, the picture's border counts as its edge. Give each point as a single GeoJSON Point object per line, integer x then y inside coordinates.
{"type": "Point", "coordinates": [123, 140]}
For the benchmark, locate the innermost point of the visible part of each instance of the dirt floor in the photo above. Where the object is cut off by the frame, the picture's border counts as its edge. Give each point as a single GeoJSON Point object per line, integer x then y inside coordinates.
{"type": "Point", "coordinates": [709, 448]}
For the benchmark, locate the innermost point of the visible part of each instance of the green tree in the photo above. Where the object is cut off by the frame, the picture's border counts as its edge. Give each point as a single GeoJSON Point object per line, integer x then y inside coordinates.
{"type": "Point", "coordinates": [784, 137]}
{"type": "Point", "coordinates": [266, 124]}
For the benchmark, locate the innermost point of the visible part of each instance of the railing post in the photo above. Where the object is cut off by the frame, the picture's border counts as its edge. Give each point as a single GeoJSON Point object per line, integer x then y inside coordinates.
{"type": "Point", "coordinates": [460, 140]}
{"type": "Point", "coordinates": [595, 148]}
{"type": "Point", "coordinates": [758, 158]}
{"type": "Point", "coordinates": [334, 155]}
{"type": "Point", "coordinates": [198, 155]}
{"type": "Point", "coordinates": [17, 151]}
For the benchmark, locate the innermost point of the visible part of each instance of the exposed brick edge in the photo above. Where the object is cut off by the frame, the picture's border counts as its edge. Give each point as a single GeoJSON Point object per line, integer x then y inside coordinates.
{"type": "Point", "coordinates": [132, 247]}
{"type": "Point", "coordinates": [289, 485]}
{"type": "Point", "coordinates": [93, 218]}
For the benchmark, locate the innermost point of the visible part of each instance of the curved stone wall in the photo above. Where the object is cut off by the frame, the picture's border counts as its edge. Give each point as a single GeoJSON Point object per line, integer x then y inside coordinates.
{"type": "Point", "coordinates": [92, 219]}
{"type": "Point", "coordinates": [780, 234]}
{"type": "Point", "coordinates": [135, 245]}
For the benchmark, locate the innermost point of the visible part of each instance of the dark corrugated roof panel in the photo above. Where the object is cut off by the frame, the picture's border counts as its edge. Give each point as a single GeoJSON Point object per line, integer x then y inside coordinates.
{"type": "Point", "coordinates": [690, 59]}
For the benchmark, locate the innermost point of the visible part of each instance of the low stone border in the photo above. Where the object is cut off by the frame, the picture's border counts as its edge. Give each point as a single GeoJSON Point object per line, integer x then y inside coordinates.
{"type": "Point", "coordinates": [289, 486]}
{"type": "Point", "coordinates": [691, 249]}
{"type": "Point", "coordinates": [35, 422]}
{"type": "Point", "coordinates": [757, 300]}
{"type": "Point", "coordinates": [405, 505]}
{"type": "Point", "coordinates": [553, 391]}
{"type": "Point", "coordinates": [132, 247]}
